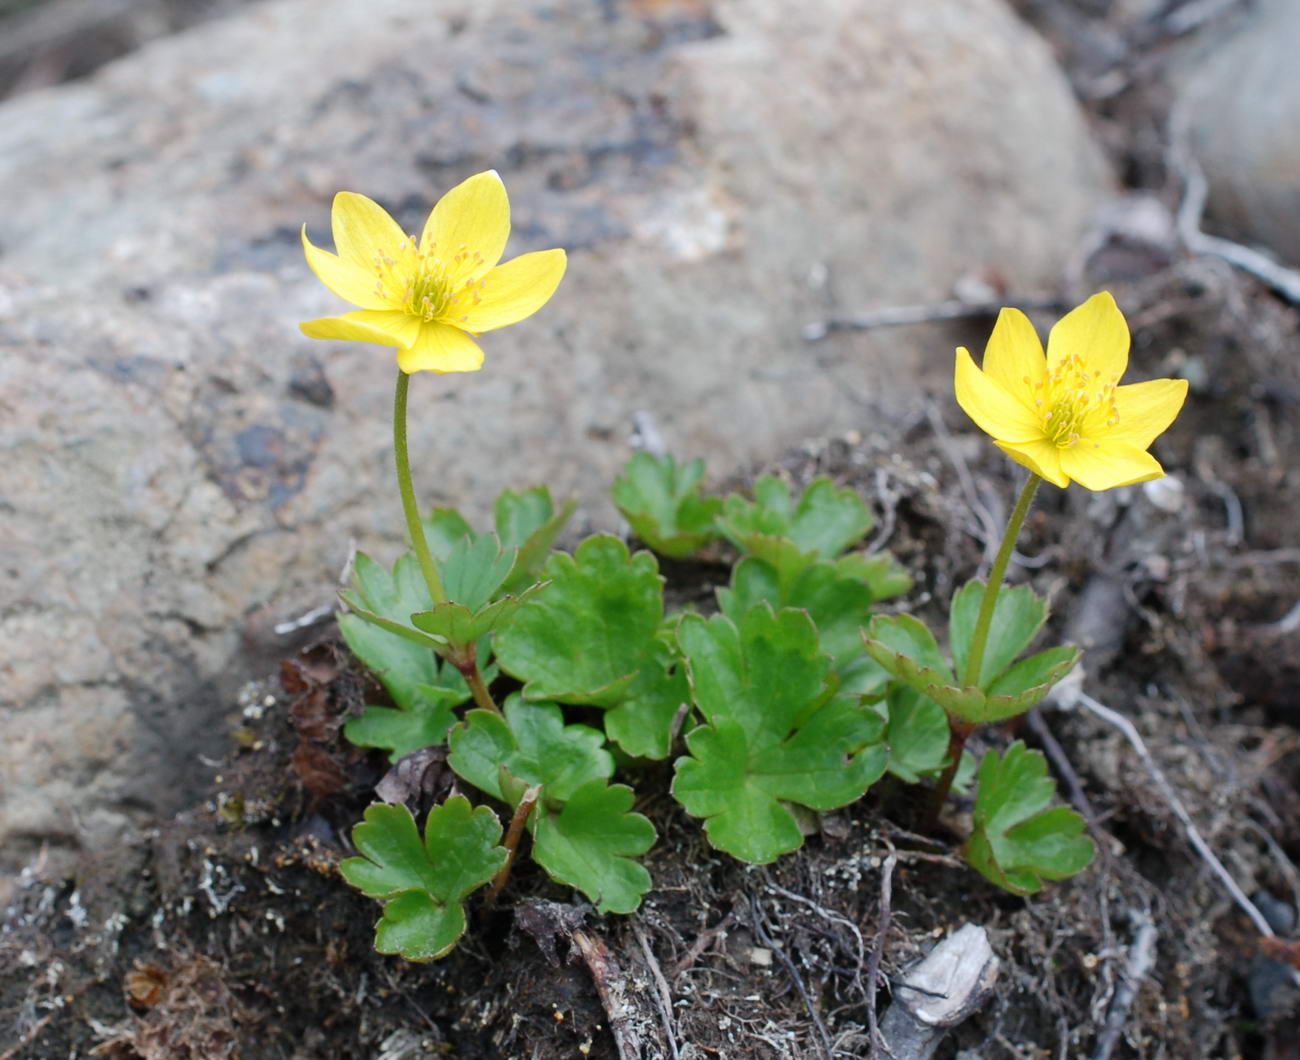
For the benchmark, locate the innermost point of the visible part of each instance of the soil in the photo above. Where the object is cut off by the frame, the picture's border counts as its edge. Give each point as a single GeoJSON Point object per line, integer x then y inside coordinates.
{"type": "Point", "coordinates": [226, 932]}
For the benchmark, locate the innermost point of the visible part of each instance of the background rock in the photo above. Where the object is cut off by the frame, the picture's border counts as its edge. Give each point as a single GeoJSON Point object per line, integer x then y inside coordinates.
{"type": "Point", "coordinates": [1242, 99]}
{"type": "Point", "coordinates": [181, 469]}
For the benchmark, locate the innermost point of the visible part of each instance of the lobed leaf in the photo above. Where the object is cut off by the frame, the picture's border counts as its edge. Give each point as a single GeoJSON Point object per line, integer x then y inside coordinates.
{"type": "Point", "coordinates": [423, 882]}
{"type": "Point", "coordinates": [527, 521]}
{"type": "Point", "coordinates": [583, 641]}
{"type": "Point", "coordinates": [590, 844]}
{"type": "Point", "coordinates": [533, 745]}
{"type": "Point", "coordinates": [444, 529]}
{"type": "Point", "coordinates": [385, 602]}
{"type": "Point", "coordinates": [423, 722]}
{"type": "Point", "coordinates": [826, 521]}
{"type": "Point", "coordinates": [1017, 617]}
{"type": "Point", "coordinates": [1017, 842]}
{"type": "Point", "coordinates": [642, 721]}
{"type": "Point", "coordinates": [773, 734]}
{"type": "Point", "coordinates": [879, 571]}
{"type": "Point", "coordinates": [917, 734]}
{"type": "Point", "coordinates": [661, 502]}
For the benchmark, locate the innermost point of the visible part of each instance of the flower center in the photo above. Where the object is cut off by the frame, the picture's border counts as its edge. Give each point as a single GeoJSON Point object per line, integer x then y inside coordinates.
{"type": "Point", "coordinates": [1073, 395]}
{"type": "Point", "coordinates": [429, 286]}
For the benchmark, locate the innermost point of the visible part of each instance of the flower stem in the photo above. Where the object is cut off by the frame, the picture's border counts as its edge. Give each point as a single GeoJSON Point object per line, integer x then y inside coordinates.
{"type": "Point", "coordinates": [413, 525]}
{"type": "Point", "coordinates": [975, 659]}
{"type": "Point", "coordinates": [961, 730]}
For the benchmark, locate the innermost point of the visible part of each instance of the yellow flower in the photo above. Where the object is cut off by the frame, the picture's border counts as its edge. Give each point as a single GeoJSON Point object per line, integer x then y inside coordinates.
{"type": "Point", "coordinates": [428, 297]}
{"type": "Point", "coordinates": [1065, 416]}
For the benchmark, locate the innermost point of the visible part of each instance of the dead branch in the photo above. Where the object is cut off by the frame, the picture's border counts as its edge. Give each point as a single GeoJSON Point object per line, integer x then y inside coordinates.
{"type": "Point", "coordinates": [760, 930]}
{"type": "Point", "coordinates": [611, 986]}
{"type": "Point", "coordinates": [663, 995]}
{"type": "Point", "coordinates": [878, 951]}
{"type": "Point", "coordinates": [1141, 959]}
{"type": "Point", "coordinates": [1196, 189]}
{"type": "Point", "coordinates": [1180, 811]}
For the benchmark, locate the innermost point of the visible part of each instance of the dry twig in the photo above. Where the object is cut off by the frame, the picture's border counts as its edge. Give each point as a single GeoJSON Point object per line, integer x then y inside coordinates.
{"type": "Point", "coordinates": [662, 995]}
{"type": "Point", "coordinates": [1194, 836]}
{"type": "Point", "coordinates": [877, 952]}
{"type": "Point", "coordinates": [1284, 281]}
{"type": "Point", "coordinates": [612, 988]}
{"type": "Point", "coordinates": [893, 316]}
{"type": "Point", "coordinates": [761, 931]}
{"type": "Point", "coordinates": [1141, 959]}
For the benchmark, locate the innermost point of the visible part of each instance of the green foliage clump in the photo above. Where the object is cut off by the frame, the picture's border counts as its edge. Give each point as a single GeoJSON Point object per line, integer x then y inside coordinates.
{"type": "Point", "coordinates": [794, 698]}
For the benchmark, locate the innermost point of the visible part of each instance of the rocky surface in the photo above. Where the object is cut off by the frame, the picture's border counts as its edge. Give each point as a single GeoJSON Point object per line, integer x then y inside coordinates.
{"type": "Point", "coordinates": [181, 469]}
{"type": "Point", "coordinates": [1242, 99]}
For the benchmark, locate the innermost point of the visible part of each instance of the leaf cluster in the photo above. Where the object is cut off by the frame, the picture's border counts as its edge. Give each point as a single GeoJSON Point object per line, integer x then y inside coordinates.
{"type": "Point", "coordinates": [775, 708]}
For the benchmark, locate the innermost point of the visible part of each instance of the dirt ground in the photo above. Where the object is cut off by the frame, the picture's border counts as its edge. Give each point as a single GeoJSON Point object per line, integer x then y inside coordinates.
{"type": "Point", "coordinates": [226, 932]}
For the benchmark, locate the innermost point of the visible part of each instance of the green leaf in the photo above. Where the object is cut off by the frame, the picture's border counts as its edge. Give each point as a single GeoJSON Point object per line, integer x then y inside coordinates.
{"type": "Point", "coordinates": [583, 834]}
{"type": "Point", "coordinates": [385, 602]}
{"type": "Point", "coordinates": [423, 722]}
{"type": "Point", "coordinates": [826, 521]}
{"type": "Point", "coordinates": [1026, 683]}
{"type": "Point", "coordinates": [583, 640]}
{"type": "Point", "coordinates": [423, 687]}
{"type": "Point", "coordinates": [773, 735]}
{"type": "Point", "coordinates": [423, 882]}
{"type": "Point", "coordinates": [905, 647]}
{"type": "Point", "coordinates": [661, 502]}
{"type": "Point", "coordinates": [1017, 618]}
{"type": "Point", "coordinates": [533, 744]}
{"type": "Point", "coordinates": [917, 734]}
{"type": "Point", "coordinates": [402, 664]}
{"type": "Point", "coordinates": [591, 842]}
{"type": "Point", "coordinates": [838, 606]}
{"type": "Point", "coordinates": [1017, 842]}
{"type": "Point", "coordinates": [475, 569]}
{"type": "Point", "coordinates": [880, 571]}
{"type": "Point", "coordinates": [444, 529]}
{"type": "Point", "coordinates": [864, 677]}
{"type": "Point", "coordinates": [641, 724]}
{"type": "Point", "coordinates": [527, 521]}
{"type": "Point", "coordinates": [908, 650]}
{"type": "Point", "coordinates": [459, 626]}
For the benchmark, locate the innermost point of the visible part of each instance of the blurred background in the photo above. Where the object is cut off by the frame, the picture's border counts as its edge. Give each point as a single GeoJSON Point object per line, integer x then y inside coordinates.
{"type": "Point", "coordinates": [781, 217]}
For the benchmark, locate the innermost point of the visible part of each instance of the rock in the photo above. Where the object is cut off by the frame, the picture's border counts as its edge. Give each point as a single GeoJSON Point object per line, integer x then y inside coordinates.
{"type": "Point", "coordinates": [182, 470]}
{"type": "Point", "coordinates": [1242, 101]}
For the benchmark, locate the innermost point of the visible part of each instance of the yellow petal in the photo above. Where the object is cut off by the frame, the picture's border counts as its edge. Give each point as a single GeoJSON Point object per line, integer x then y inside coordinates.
{"type": "Point", "coordinates": [1146, 410]}
{"type": "Point", "coordinates": [441, 348]}
{"type": "Point", "coordinates": [355, 327]}
{"type": "Point", "coordinates": [515, 290]}
{"type": "Point", "coordinates": [473, 220]}
{"type": "Point", "coordinates": [991, 407]}
{"type": "Point", "coordinates": [348, 282]}
{"type": "Point", "coordinates": [1105, 465]}
{"type": "Point", "coordinates": [364, 234]}
{"type": "Point", "coordinates": [1014, 357]}
{"type": "Point", "coordinates": [1041, 457]}
{"type": "Point", "coordinates": [1097, 333]}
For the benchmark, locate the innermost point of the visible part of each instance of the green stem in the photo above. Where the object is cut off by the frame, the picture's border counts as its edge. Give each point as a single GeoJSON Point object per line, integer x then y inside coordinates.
{"type": "Point", "coordinates": [482, 697]}
{"type": "Point", "coordinates": [975, 659]}
{"type": "Point", "coordinates": [413, 525]}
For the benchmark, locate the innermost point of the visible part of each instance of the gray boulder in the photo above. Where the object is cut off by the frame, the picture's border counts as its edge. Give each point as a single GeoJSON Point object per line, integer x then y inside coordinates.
{"type": "Point", "coordinates": [1240, 94]}
{"type": "Point", "coordinates": [181, 469]}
